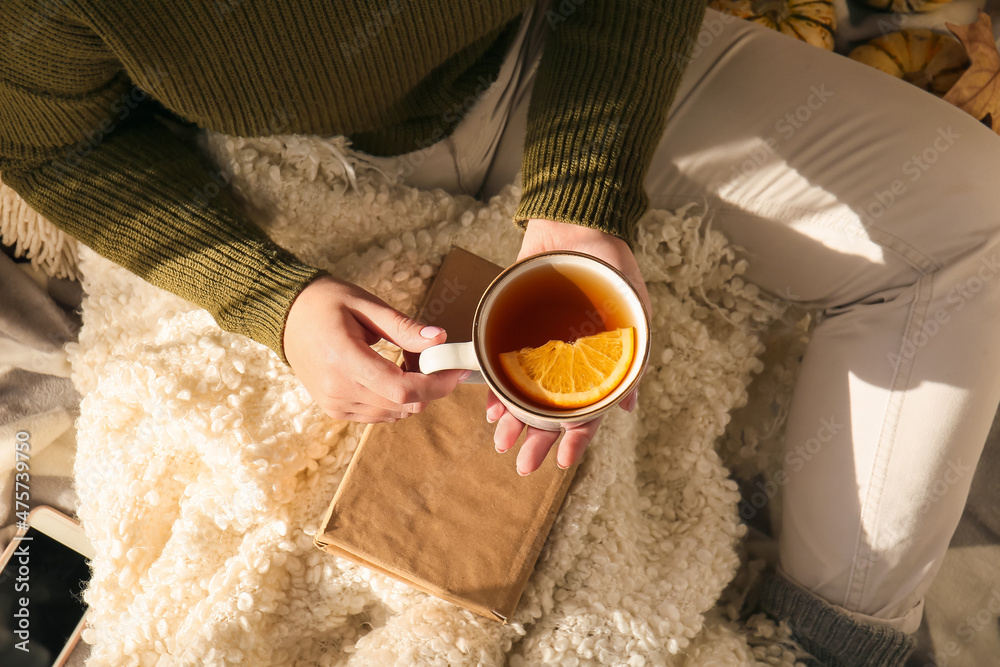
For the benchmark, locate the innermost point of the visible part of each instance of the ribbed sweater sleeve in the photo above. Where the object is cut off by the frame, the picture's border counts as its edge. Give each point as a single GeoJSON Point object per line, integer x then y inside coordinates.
{"type": "Point", "coordinates": [607, 77]}
{"type": "Point", "coordinates": [78, 142]}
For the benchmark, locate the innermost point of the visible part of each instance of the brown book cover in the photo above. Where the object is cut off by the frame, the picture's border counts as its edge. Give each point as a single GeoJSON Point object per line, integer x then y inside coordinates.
{"type": "Point", "coordinates": [427, 500]}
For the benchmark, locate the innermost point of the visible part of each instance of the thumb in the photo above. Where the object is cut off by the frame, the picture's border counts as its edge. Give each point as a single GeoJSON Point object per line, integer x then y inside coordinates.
{"type": "Point", "coordinates": [395, 327]}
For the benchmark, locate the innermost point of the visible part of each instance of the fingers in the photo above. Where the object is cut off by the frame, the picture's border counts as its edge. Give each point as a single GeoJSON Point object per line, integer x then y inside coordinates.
{"type": "Point", "coordinates": [400, 387]}
{"type": "Point", "coordinates": [494, 408]}
{"type": "Point", "coordinates": [575, 441]}
{"type": "Point", "coordinates": [391, 383]}
{"type": "Point", "coordinates": [640, 287]}
{"type": "Point", "coordinates": [377, 316]}
{"type": "Point", "coordinates": [358, 399]}
{"type": "Point", "coordinates": [367, 397]}
{"type": "Point", "coordinates": [629, 402]}
{"type": "Point", "coordinates": [537, 444]}
{"type": "Point", "coordinates": [366, 414]}
{"type": "Point", "coordinates": [507, 431]}
{"type": "Point", "coordinates": [363, 377]}
{"type": "Point", "coordinates": [328, 333]}
{"type": "Point", "coordinates": [362, 418]}
{"type": "Point", "coordinates": [385, 379]}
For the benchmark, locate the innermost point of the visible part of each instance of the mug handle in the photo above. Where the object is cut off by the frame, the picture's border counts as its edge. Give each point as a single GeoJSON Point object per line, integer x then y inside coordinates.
{"type": "Point", "coordinates": [452, 355]}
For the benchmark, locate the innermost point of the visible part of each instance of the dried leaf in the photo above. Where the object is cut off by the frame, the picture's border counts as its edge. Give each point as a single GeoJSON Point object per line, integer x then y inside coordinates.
{"type": "Point", "coordinates": [978, 91]}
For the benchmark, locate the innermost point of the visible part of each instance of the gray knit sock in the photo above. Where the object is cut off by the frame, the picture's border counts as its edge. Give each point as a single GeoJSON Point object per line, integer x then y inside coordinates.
{"type": "Point", "coordinates": [833, 638]}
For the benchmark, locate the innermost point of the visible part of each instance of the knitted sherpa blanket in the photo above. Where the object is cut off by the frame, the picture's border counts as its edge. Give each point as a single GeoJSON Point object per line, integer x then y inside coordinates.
{"type": "Point", "coordinates": [203, 467]}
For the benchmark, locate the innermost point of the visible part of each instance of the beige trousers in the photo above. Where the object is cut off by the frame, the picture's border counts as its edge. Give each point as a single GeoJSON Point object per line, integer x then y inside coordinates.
{"type": "Point", "coordinates": [875, 204]}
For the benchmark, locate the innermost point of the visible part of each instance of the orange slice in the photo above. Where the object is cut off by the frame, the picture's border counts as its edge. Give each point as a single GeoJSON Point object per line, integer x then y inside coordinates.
{"type": "Point", "coordinates": [572, 375]}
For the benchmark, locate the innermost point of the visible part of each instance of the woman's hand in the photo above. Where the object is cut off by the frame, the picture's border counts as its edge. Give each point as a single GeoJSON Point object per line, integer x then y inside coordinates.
{"type": "Point", "coordinates": [329, 332]}
{"type": "Point", "coordinates": [543, 236]}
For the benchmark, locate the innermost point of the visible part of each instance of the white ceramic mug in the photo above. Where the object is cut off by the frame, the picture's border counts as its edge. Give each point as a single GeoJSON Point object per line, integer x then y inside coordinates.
{"type": "Point", "coordinates": [620, 303]}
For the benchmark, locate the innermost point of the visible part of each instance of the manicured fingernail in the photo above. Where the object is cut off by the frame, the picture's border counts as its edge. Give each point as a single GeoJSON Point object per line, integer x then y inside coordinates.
{"type": "Point", "coordinates": [634, 401]}
{"type": "Point", "coordinates": [464, 376]}
{"type": "Point", "coordinates": [431, 332]}
{"type": "Point", "coordinates": [560, 465]}
{"type": "Point", "coordinates": [522, 474]}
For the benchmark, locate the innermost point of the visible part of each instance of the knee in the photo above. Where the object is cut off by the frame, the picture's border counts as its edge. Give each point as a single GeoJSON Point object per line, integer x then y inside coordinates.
{"type": "Point", "coordinates": [718, 31]}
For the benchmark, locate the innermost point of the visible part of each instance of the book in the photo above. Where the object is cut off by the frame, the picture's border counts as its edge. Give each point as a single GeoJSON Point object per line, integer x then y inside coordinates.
{"type": "Point", "coordinates": [428, 501]}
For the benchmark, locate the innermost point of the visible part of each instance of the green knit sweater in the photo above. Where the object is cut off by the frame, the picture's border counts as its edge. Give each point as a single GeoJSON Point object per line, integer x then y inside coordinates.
{"type": "Point", "coordinates": [81, 80]}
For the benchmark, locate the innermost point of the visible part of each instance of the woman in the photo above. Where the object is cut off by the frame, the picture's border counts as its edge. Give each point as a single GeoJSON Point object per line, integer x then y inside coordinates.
{"type": "Point", "coordinates": [838, 204]}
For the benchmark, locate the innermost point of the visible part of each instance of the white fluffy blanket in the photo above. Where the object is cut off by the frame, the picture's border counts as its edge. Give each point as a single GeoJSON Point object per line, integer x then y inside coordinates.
{"type": "Point", "coordinates": [204, 469]}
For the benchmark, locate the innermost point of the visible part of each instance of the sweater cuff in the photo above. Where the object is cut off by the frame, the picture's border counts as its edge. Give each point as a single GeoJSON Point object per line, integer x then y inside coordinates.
{"type": "Point", "coordinates": [270, 296]}
{"type": "Point", "coordinates": [612, 207]}
{"type": "Point", "coordinates": [833, 638]}
{"type": "Point", "coordinates": [605, 82]}
{"type": "Point", "coordinates": [130, 201]}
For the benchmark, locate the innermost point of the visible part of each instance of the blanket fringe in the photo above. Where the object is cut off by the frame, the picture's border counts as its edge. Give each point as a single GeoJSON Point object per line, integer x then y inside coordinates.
{"type": "Point", "coordinates": [33, 236]}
